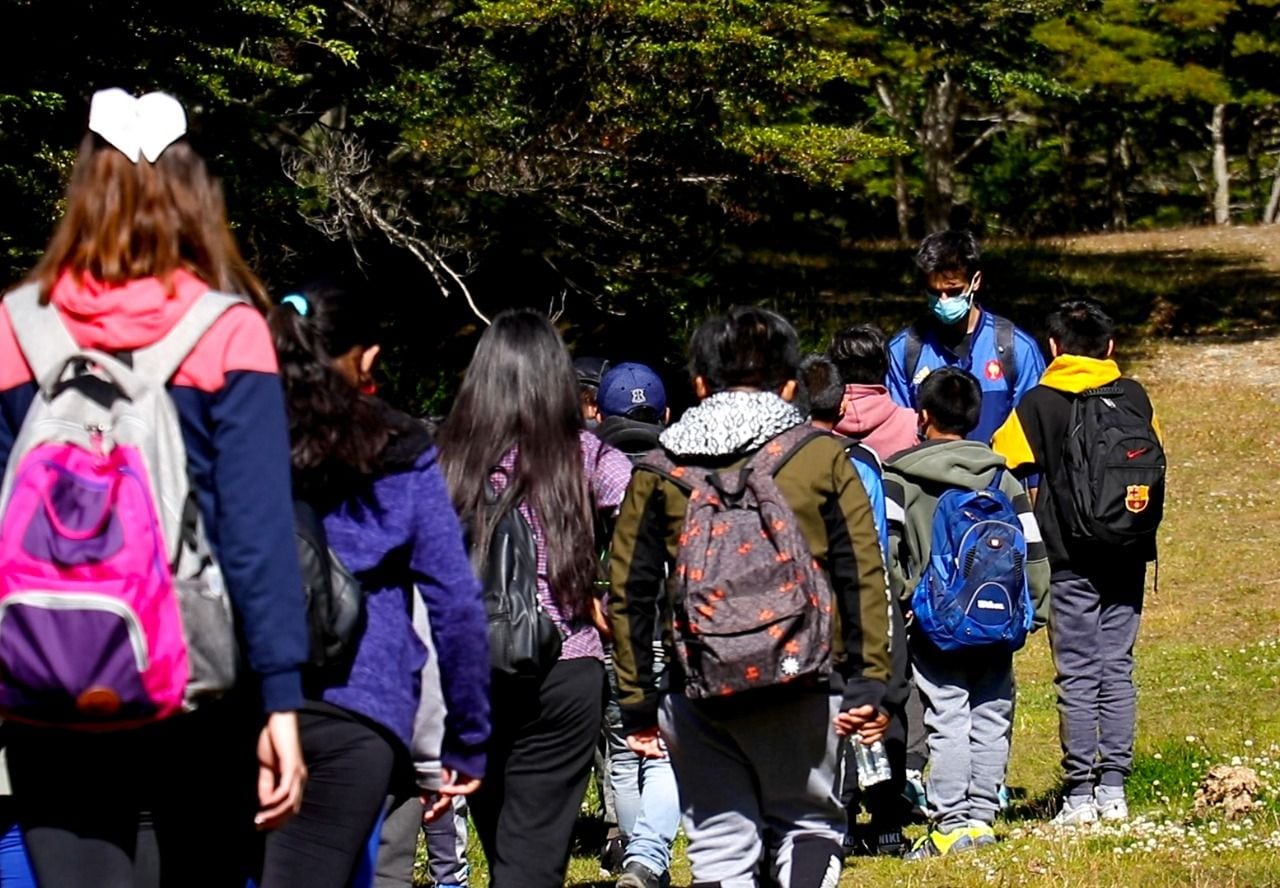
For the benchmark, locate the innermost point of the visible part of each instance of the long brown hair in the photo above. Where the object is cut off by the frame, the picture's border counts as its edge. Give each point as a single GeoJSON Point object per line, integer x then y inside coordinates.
{"type": "Point", "coordinates": [520, 391]}
{"type": "Point", "coordinates": [128, 220]}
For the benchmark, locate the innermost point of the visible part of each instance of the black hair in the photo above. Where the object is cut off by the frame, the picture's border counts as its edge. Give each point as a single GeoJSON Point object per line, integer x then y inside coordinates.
{"type": "Point", "coordinates": [644, 413]}
{"type": "Point", "coordinates": [859, 352]}
{"type": "Point", "coordinates": [1082, 327]}
{"type": "Point", "coordinates": [953, 399]}
{"type": "Point", "coordinates": [747, 347]}
{"type": "Point", "coordinates": [821, 391]}
{"type": "Point", "coordinates": [340, 439]}
{"type": "Point", "coordinates": [520, 391]}
{"type": "Point", "coordinates": [952, 250]}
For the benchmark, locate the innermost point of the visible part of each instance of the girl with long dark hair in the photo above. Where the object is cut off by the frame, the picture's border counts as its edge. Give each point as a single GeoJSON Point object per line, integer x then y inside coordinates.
{"type": "Point", "coordinates": [143, 239]}
{"type": "Point", "coordinates": [371, 473]}
{"type": "Point", "coordinates": [515, 429]}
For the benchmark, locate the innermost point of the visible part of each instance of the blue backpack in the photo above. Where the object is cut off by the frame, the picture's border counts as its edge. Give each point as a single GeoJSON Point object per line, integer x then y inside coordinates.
{"type": "Point", "coordinates": [974, 593]}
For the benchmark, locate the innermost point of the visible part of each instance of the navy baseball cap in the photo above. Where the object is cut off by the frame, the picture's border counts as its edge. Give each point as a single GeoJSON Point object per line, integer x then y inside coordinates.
{"type": "Point", "coordinates": [626, 387]}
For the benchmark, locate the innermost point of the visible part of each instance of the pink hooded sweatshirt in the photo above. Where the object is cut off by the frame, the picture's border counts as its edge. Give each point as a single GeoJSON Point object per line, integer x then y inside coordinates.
{"type": "Point", "coordinates": [872, 417]}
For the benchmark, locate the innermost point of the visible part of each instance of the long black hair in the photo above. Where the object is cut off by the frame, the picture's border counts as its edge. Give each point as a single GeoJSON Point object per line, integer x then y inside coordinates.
{"type": "Point", "coordinates": [520, 391]}
{"type": "Point", "coordinates": [340, 438]}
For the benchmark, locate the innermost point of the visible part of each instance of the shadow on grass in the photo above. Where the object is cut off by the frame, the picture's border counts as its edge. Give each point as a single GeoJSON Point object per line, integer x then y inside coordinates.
{"type": "Point", "coordinates": [1153, 292]}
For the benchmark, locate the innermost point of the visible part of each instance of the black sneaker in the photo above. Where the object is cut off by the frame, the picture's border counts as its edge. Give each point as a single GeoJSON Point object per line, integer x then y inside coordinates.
{"type": "Point", "coordinates": [890, 843]}
{"type": "Point", "coordinates": [637, 875]}
{"type": "Point", "coordinates": [615, 847]}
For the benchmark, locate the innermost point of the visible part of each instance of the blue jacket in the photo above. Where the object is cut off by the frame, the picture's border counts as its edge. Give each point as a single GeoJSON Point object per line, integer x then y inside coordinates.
{"type": "Point", "coordinates": [998, 398]}
{"type": "Point", "coordinates": [400, 536]}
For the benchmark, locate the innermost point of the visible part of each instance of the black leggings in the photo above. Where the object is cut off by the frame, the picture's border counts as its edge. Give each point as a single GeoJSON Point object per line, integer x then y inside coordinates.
{"type": "Point", "coordinates": [168, 804]}
{"type": "Point", "coordinates": [539, 761]}
{"type": "Point", "coordinates": [349, 767]}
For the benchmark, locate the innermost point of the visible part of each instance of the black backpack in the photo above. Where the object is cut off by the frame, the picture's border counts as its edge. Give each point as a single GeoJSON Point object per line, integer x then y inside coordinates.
{"type": "Point", "coordinates": [1115, 470]}
{"type": "Point", "coordinates": [335, 598]}
{"type": "Point", "coordinates": [523, 641]}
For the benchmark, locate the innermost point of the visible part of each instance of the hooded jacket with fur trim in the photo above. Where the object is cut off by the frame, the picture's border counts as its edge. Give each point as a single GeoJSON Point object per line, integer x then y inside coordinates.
{"type": "Point", "coordinates": [833, 512]}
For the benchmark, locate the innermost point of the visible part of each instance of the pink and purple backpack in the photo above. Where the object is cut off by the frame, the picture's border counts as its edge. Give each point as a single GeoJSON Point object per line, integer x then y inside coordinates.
{"type": "Point", "coordinates": [113, 612]}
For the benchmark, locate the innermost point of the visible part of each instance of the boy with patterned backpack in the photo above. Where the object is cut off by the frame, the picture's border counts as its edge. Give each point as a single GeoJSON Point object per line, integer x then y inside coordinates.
{"type": "Point", "coordinates": [967, 558]}
{"type": "Point", "coordinates": [770, 533]}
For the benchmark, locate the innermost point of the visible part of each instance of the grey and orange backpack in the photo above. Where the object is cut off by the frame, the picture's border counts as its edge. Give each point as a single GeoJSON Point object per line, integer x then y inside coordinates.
{"type": "Point", "coordinates": [752, 607]}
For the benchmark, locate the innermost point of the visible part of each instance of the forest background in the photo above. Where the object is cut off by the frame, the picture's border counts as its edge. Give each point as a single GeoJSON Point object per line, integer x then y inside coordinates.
{"type": "Point", "coordinates": [629, 164]}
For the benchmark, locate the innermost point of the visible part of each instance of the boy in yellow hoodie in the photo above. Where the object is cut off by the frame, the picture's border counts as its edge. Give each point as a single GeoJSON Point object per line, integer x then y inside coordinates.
{"type": "Point", "coordinates": [1096, 586]}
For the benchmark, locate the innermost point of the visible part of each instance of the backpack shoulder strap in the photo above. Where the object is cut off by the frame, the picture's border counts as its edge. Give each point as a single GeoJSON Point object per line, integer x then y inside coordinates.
{"type": "Point", "coordinates": [861, 453]}
{"type": "Point", "coordinates": [1005, 353]}
{"type": "Point", "coordinates": [778, 450]}
{"type": "Point", "coordinates": [42, 336]}
{"type": "Point", "coordinates": [659, 463]}
{"type": "Point", "coordinates": [911, 355]}
{"type": "Point", "coordinates": [161, 359]}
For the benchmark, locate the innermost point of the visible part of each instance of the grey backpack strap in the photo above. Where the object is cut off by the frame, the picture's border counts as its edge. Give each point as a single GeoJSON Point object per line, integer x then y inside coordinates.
{"type": "Point", "coordinates": [161, 359]}
{"type": "Point", "coordinates": [45, 341]}
{"type": "Point", "coordinates": [1004, 352]}
{"type": "Point", "coordinates": [911, 354]}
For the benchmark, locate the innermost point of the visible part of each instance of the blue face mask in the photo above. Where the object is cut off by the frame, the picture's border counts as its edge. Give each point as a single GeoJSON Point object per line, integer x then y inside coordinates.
{"type": "Point", "coordinates": [952, 310]}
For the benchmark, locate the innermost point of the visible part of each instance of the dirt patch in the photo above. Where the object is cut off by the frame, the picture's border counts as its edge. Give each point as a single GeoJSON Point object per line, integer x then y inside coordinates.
{"type": "Point", "coordinates": [1251, 364]}
{"type": "Point", "coordinates": [1259, 244]}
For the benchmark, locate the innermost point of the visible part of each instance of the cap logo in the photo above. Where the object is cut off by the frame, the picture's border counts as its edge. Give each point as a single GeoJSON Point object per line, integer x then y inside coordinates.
{"type": "Point", "coordinates": [637, 396]}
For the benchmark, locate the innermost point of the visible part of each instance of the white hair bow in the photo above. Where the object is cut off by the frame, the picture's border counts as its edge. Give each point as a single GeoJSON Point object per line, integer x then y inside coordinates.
{"type": "Point", "coordinates": [137, 126]}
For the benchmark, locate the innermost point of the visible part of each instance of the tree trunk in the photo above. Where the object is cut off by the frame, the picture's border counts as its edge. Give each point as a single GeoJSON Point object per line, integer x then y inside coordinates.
{"type": "Point", "coordinates": [1271, 215]}
{"type": "Point", "coordinates": [1221, 174]}
{"type": "Point", "coordinates": [903, 199]}
{"type": "Point", "coordinates": [941, 111]}
{"type": "Point", "coordinates": [901, 194]}
{"type": "Point", "coordinates": [1117, 181]}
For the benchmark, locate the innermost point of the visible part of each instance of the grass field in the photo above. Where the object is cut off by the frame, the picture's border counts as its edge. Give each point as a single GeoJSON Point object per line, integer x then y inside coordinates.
{"type": "Point", "coordinates": [1209, 651]}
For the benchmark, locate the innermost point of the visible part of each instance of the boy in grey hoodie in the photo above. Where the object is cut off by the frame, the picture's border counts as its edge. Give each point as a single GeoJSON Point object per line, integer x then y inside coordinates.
{"type": "Point", "coordinates": [968, 693]}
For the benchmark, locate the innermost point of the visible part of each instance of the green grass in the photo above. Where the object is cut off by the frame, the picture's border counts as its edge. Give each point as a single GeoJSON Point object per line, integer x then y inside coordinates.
{"type": "Point", "coordinates": [1208, 657]}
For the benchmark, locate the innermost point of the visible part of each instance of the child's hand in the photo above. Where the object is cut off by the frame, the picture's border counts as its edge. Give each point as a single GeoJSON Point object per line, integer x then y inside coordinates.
{"type": "Point", "coordinates": [435, 803]}
{"type": "Point", "coordinates": [865, 721]}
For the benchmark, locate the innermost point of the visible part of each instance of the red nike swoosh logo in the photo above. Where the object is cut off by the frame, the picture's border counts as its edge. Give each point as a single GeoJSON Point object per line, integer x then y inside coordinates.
{"type": "Point", "coordinates": [1134, 454]}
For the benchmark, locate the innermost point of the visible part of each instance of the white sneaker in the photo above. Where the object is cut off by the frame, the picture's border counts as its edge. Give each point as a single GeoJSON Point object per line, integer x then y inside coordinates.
{"type": "Point", "coordinates": [1075, 813]}
{"type": "Point", "coordinates": [1113, 810]}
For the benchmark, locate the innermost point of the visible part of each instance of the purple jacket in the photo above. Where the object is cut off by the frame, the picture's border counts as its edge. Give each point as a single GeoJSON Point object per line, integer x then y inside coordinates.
{"type": "Point", "coordinates": [405, 534]}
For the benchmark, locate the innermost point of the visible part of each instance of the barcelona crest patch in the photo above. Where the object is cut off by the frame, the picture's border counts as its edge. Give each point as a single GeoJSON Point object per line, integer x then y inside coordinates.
{"type": "Point", "coordinates": [1137, 497]}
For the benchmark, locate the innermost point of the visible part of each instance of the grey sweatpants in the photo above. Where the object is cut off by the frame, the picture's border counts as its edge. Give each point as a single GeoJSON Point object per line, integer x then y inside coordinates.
{"type": "Point", "coordinates": [968, 706]}
{"type": "Point", "coordinates": [760, 790]}
{"type": "Point", "coordinates": [1093, 626]}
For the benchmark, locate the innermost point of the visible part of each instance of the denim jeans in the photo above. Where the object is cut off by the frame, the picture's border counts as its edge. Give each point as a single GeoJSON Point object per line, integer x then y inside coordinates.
{"type": "Point", "coordinates": [644, 791]}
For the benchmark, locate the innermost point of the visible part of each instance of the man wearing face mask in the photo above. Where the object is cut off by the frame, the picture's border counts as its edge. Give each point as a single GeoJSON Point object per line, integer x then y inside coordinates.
{"type": "Point", "coordinates": [957, 332]}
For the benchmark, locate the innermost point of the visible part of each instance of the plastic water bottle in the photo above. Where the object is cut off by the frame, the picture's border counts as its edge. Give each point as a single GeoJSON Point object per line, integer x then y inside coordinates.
{"type": "Point", "coordinates": [873, 763]}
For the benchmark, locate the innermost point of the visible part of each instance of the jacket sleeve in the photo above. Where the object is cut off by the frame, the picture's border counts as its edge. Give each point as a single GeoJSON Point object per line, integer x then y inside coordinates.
{"type": "Point", "coordinates": [455, 611]}
{"type": "Point", "coordinates": [1012, 443]}
{"type": "Point", "coordinates": [896, 519]}
{"type": "Point", "coordinates": [638, 565]}
{"type": "Point", "coordinates": [255, 533]}
{"type": "Point", "coordinates": [1030, 366]}
{"type": "Point", "coordinates": [1037, 553]}
{"type": "Point", "coordinates": [895, 379]}
{"type": "Point", "coordinates": [861, 588]}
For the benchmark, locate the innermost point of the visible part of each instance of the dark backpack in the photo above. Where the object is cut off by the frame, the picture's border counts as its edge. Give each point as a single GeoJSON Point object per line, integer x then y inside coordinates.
{"type": "Point", "coordinates": [1115, 470]}
{"type": "Point", "coordinates": [974, 593]}
{"type": "Point", "coordinates": [523, 641]}
{"type": "Point", "coordinates": [753, 609]}
{"type": "Point", "coordinates": [335, 598]}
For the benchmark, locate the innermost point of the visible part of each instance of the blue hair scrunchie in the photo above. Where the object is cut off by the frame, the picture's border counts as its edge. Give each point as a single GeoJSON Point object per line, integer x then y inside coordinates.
{"type": "Point", "coordinates": [298, 303]}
